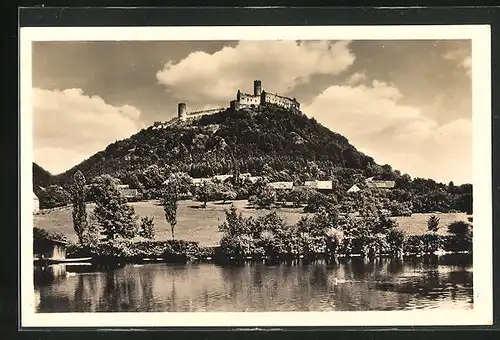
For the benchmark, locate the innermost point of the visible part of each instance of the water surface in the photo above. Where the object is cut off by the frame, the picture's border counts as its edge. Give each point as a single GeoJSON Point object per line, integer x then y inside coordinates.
{"type": "Point", "coordinates": [346, 285]}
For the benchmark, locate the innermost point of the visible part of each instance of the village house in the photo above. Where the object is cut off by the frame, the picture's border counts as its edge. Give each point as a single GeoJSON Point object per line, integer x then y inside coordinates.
{"type": "Point", "coordinates": [354, 188]}
{"type": "Point", "coordinates": [221, 178]}
{"type": "Point", "coordinates": [127, 192]}
{"type": "Point", "coordinates": [49, 249]}
{"type": "Point", "coordinates": [370, 183]}
{"type": "Point", "coordinates": [36, 204]}
{"type": "Point", "coordinates": [281, 185]}
{"type": "Point", "coordinates": [324, 186]}
{"type": "Point", "coordinates": [254, 179]}
{"type": "Point", "coordinates": [199, 181]}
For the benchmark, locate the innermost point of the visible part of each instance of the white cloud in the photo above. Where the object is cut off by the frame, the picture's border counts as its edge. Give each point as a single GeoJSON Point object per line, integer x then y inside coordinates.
{"type": "Point", "coordinates": [356, 78]}
{"type": "Point", "coordinates": [280, 65]}
{"type": "Point", "coordinates": [375, 123]}
{"type": "Point", "coordinates": [461, 58]}
{"type": "Point", "coordinates": [70, 126]}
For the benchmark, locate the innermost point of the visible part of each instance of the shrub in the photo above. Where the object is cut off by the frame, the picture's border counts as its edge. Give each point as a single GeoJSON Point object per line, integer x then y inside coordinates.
{"type": "Point", "coordinates": [126, 250]}
{"type": "Point", "coordinates": [265, 198]}
{"type": "Point", "coordinates": [42, 234]}
{"type": "Point", "coordinates": [238, 246]}
{"type": "Point", "coordinates": [333, 239]}
{"type": "Point", "coordinates": [147, 227]}
{"type": "Point", "coordinates": [53, 196]}
{"type": "Point", "coordinates": [399, 209]}
{"type": "Point", "coordinates": [312, 245]}
{"type": "Point", "coordinates": [431, 242]}
{"type": "Point", "coordinates": [413, 244]}
{"type": "Point", "coordinates": [317, 201]}
{"type": "Point", "coordinates": [180, 249]}
{"type": "Point", "coordinates": [459, 228]}
{"type": "Point", "coordinates": [395, 240]}
{"type": "Point", "coordinates": [461, 238]}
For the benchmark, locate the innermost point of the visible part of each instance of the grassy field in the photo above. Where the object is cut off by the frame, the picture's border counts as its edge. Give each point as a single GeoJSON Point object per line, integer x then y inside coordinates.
{"type": "Point", "coordinates": [201, 225]}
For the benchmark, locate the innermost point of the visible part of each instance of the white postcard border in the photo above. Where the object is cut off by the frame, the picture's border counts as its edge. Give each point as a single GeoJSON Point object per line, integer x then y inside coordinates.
{"type": "Point", "coordinates": [481, 314]}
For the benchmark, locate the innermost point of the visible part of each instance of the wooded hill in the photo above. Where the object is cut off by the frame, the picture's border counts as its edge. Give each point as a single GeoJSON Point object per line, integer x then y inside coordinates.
{"type": "Point", "coordinates": [268, 141]}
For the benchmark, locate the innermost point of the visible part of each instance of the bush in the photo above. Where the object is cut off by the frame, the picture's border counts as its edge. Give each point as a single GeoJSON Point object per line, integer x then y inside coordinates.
{"type": "Point", "coordinates": [395, 240]}
{"type": "Point", "coordinates": [126, 250]}
{"type": "Point", "coordinates": [431, 242]}
{"type": "Point", "coordinates": [147, 227]}
{"type": "Point", "coordinates": [316, 201]}
{"type": "Point", "coordinates": [42, 234]}
{"type": "Point", "coordinates": [312, 245]}
{"type": "Point", "coordinates": [400, 209]}
{"type": "Point", "coordinates": [53, 196]}
{"type": "Point", "coordinates": [265, 198]}
{"type": "Point", "coordinates": [461, 236]}
{"type": "Point", "coordinates": [238, 246]}
{"type": "Point", "coordinates": [413, 244]}
{"type": "Point", "coordinates": [179, 249]}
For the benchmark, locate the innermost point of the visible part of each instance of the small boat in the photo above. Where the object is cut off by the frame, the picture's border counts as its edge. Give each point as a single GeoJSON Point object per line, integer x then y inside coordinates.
{"type": "Point", "coordinates": [67, 261]}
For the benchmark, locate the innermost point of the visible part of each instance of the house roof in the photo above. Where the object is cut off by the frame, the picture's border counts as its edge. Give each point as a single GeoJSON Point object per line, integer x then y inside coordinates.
{"type": "Point", "coordinates": [354, 188]}
{"type": "Point", "coordinates": [381, 184]}
{"type": "Point", "coordinates": [222, 177]}
{"type": "Point", "coordinates": [52, 240]}
{"type": "Point", "coordinates": [281, 185]}
{"type": "Point", "coordinates": [200, 180]}
{"type": "Point", "coordinates": [319, 184]}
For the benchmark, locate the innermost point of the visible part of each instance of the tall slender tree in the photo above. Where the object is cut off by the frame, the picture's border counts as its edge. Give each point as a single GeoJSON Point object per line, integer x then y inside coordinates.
{"type": "Point", "coordinates": [169, 200]}
{"type": "Point", "coordinates": [78, 194]}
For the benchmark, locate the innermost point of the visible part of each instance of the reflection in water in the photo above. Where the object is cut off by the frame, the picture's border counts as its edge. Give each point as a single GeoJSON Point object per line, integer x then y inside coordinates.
{"type": "Point", "coordinates": [343, 285]}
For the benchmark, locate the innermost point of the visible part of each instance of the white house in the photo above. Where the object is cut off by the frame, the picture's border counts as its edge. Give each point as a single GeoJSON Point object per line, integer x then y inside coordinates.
{"type": "Point", "coordinates": [281, 185]}
{"type": "Point", "coordinates": [319, 185]}
{"type": "Point", "coordinates": [381, 184]}
{"type": "Point", "coordinates": [222, 178]}
{"type": "Point", "coordinates": [127, 192]}
{"type": "Point", "coordinates": [253, 179]}
{"type": "Point", "coordinates": [36, 203]}
{"type": "Point", "coordinates": [354, 188]}
{"type": "Point", "coordinates": [200, 181]}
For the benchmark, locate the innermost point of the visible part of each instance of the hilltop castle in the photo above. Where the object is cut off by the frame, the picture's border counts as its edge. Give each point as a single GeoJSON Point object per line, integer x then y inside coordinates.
{"type": "Point", "coordinates": [243, 100]}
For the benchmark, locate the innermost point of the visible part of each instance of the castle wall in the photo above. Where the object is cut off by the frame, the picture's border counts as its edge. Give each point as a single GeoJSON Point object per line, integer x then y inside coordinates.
{"type": "Point", "coordinates": [248, 99]}
{"type": "Point", "coordinates": [204, 112]}
{"type": "Point", "coordinates": [275, 99]}
{"type": "Point", "coordinates": [242, 100]}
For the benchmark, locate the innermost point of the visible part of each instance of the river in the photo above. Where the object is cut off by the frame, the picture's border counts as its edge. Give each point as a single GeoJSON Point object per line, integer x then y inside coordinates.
{"type": "Point", "coordinates": [354, 284]}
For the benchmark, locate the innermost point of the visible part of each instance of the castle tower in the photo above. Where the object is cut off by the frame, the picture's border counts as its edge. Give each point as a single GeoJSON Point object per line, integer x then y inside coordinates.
{"type": "Point", "coordinates": [182, 111]}
{"type": "Point", "coordinates": [257, 88]}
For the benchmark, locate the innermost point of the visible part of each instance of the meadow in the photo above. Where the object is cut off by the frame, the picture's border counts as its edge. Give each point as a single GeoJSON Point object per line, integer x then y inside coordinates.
{"type": "Point", "coordinates": [198, 224]}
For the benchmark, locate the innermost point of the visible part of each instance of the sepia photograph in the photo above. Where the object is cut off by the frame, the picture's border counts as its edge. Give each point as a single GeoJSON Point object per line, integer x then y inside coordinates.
{"type": "Point", "coordinates": [228, 176]}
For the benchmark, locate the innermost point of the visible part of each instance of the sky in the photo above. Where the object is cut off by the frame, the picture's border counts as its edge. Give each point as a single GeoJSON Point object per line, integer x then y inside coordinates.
{"type": "Point", "coordinates": [406, 103]}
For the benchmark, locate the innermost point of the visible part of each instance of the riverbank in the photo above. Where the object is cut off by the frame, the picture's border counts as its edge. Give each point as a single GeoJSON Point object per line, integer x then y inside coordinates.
{"type": "Point", "coordinates": [197, 224]}
{"type": "Point", "coordinates": [179, 251]}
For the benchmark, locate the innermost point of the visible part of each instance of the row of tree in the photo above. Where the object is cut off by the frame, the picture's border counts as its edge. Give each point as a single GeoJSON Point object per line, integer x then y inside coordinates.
{"type": "Point", "coordinates": [325, 233]}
